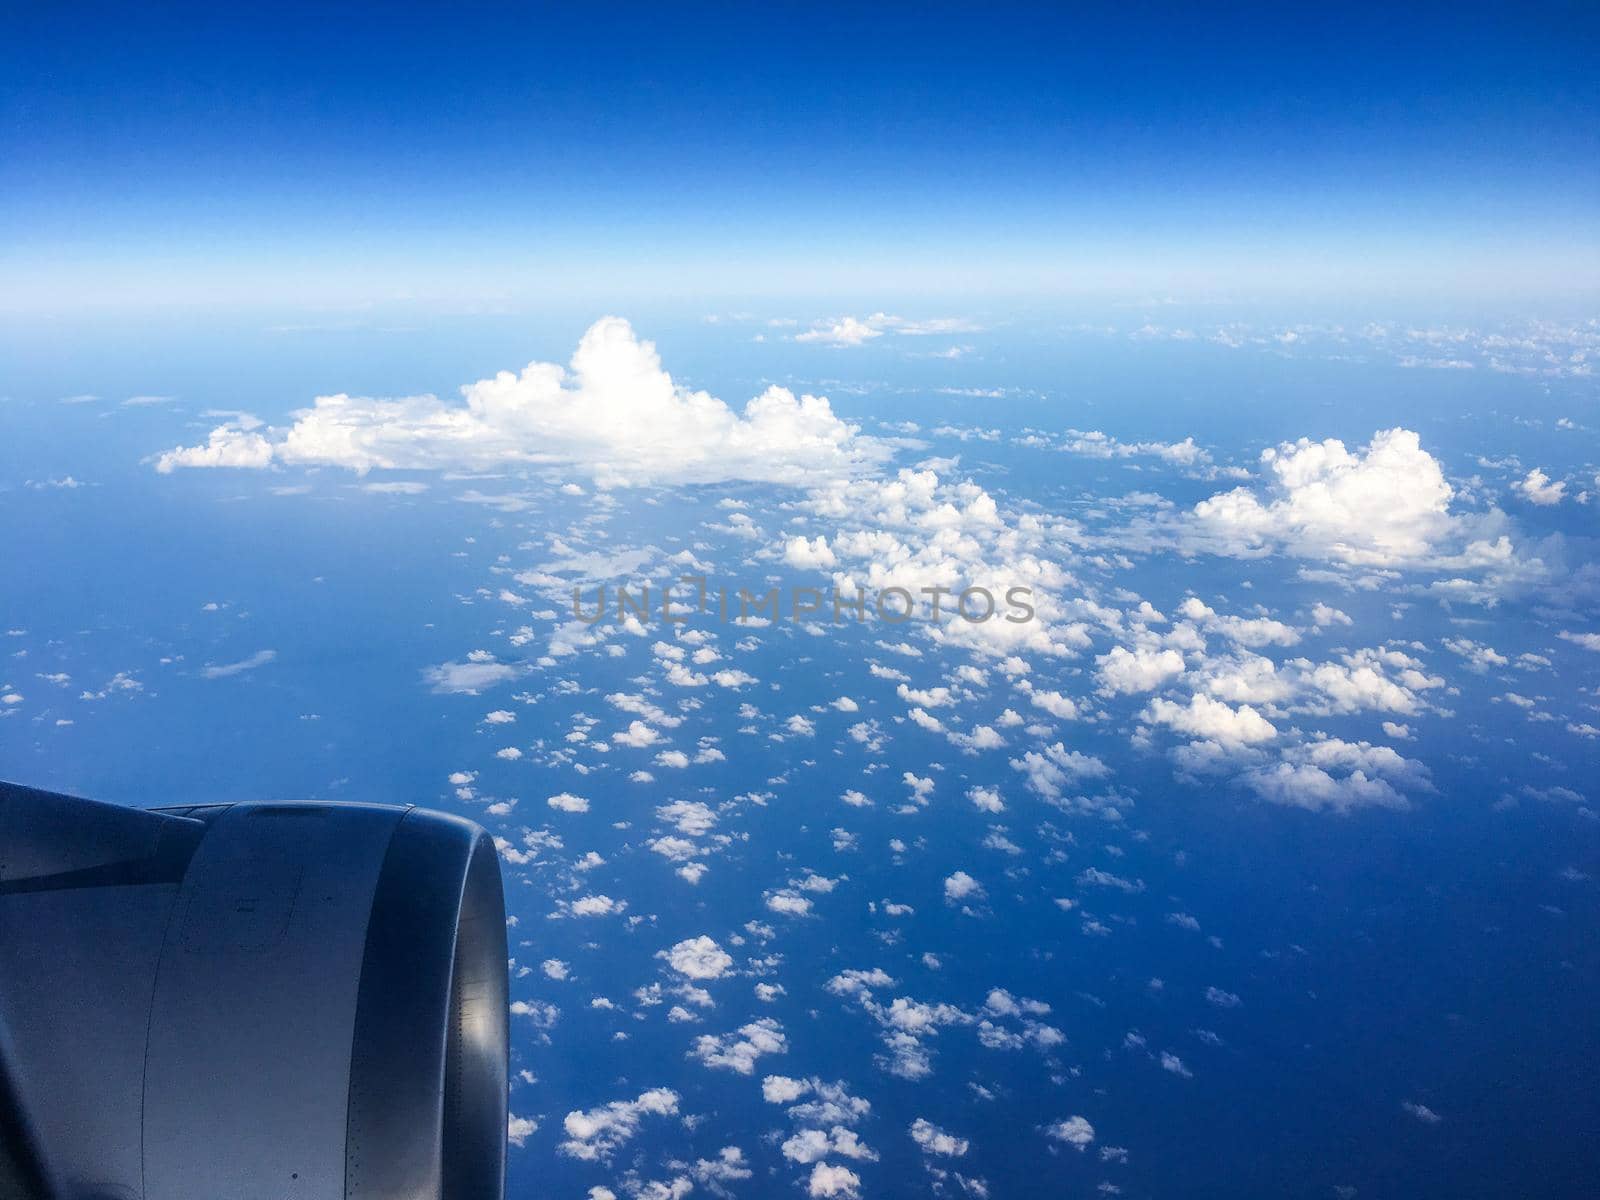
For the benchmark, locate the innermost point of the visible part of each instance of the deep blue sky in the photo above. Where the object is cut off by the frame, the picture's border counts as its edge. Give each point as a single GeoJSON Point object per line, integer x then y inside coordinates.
{"type": "Point", "coordinates": [197, 152]}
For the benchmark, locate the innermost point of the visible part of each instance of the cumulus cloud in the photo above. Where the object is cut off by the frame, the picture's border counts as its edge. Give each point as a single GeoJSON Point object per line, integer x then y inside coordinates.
{"type": "Point", "coordinates": [959, 886]}
{"type": "Point", "coordinates": [1385, 504]}
{"type": "Point", "coordinates": [739, 1051]}
{"type": "Point", "coordinates": [1074, 1131]}
{"type": "Point", "coordinates": [828, 1181]}
{"type": "Point", "coordinates": [1212, 720]}
{"type": "Point", "coordinates": [229, 445]}
{"type": "Point", "coordinates": [856, 331]}
{"type": "Point", "coordinates": [730, 1166]}
{"type": "Point", "coordinates": [1537, 488]}
{"type": "Point", "coordinates": [615, 415]}
{"type": "Point", "coordinates": [813, 1145]}
{"type": "Point", "coordinates": [1056, 704]}
{"type": "Point", "coordinates": [698, 958]}
{"type": "Point", "coordinates": [846, 331]}
{"type": "Point", "coordinates": [1051, 770]}
{"type": "Point", "coordinates": [688, 816]}
{"type": "Point", "coordinates": [595, 1134]}
{"type": "Point", "coordinates": [520, 1129]}
{"type": "Point", "coordinates": [799, 552]}
{"type": "Point", "coordinates": [1247, 631]}
{"type": "Point", "coordinates": [1307, 785]}
{"type": "Point", "coordinates": [1095, 444]}
{"type": "Point", "coordinates": [934, 1140]}
{"type": "Point", "coordinates": [1125, 672]}
{"type": "Point", "coordinates": [469, 677]}
{"type": "Point", "coordinates": [780, 1089]}
{"type": "Point", "coordinates": [1002, 576]}
{"type": "Point", "coordinates": [597, 906]}
{"type": "Point", "coordinates": [987, 799]}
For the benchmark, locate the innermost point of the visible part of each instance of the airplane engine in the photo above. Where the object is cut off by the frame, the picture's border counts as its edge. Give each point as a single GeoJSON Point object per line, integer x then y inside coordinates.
{"type": "Point", "coordinates": [262, 1001]}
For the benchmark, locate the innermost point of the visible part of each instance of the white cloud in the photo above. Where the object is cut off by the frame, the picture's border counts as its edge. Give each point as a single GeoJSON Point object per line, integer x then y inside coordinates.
{"type": "Point", "coordinates": [1306, 785]}
{"type": "Point", "coordinates": [961, 885]}
{"type": "Point", "coordinates": [1050, 770]}
{"type": "Point", "coordinates": [1386, 504]}
{"type": "Point", "coordinates": [1382, 762]}
{"type": "Point", "coordinates": [799, 552]}
{"type": "Point", "coordinates": [567, 802]}
{"type": "Point", "coordinates": [597, 906]}
{"type": "Point", "coordinates": [739, 1051]}
{"type": "Point", "coordinates": [1324, 615]}
{"type": "Point", "coordinates": [542, 1014]}
{"type": "Point", "coordinates": [1095, 877]}
{"type": "Point", "coordinates": [1383, 679]}
{"type": "Point", "coordinates": [1247, 631]}
{"type": "Point", "coordinates": [1480, 658]}
{"type": "Point", "coordinates": [937, 697]}
{"type": "Point", "coordinates": [1124, 672]}
{"type": "Point", "coordinates": [1074, 1131]}
{"type": "Point", "coordinates": [813, 1145]}
{"type": "Point", "coordinates": [617, 416]}
{"type": "Point", "coordinates": [595, 1134]}
{"type": "Point", "coordinates": [1171, 1062]}
{"type": "Point", "coordinates": [228, 446]}
{"type": "Point", "coordinates": [854, 331]}
{"type": "Point", "coordinates": [858, 982]}
{"type": "Point", "coordinates": [934, 1140]}
{"type": "Point", "coordinates": [1057, 705]}
{"type": "Point", "coordinates": [986, 799]}
{"type": "Point", "coordinates": [729, 1166]}
{"type": "Point", "coordinates": [637, 734]}
{"type": "Point", "coordinates": [469, 677]}
{"type": "Point", "coordinates": [780, 1089]}
{"type": "Point", "coordinates": [1212, 720]}
{"type": "Point", "coordinates": [831, 1181]}
{"type": "Point", "coordinates": [790, 904]}
{"type": "Point", "coordinates": [520, 1129]}
{"type": "Point", "coordinates": [1095, 444]}
{"type": "Point", "coordinates": [698, 958]}
{"type": "Point", "coordinates": [846, 331]}
{"type": "Point", "coordinates": [1537, 488]}
{"type": "Point", "coordinates": [688, 816]}
{"type": "Point", "coordinates": [259, 659]}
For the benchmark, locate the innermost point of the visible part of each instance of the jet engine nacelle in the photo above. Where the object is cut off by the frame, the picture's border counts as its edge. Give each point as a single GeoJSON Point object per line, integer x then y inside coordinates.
{"type": "Point", "coordinates": [249, 1002]}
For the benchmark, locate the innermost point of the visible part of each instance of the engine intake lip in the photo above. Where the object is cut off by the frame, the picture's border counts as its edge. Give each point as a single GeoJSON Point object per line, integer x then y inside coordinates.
{"type": "Point", "coordinates": [428, 1067]}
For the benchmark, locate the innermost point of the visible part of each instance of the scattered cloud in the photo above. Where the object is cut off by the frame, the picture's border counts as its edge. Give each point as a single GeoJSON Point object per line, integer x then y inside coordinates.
{"type": "Point", "coordinates": [259, 659]}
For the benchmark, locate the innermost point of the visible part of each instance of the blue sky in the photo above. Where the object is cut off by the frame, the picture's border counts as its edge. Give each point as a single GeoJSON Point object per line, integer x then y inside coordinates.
{"type": "Point", "coordinates": [200, 154]}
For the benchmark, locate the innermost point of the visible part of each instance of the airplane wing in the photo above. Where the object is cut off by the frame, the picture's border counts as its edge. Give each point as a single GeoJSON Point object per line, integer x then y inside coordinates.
{"type": "Point", "coordinates": [249, 1002]}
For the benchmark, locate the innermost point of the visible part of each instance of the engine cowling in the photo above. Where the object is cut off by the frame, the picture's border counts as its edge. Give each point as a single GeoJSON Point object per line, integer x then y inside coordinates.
{"type": "Point", "coordinates": [253, 1001]}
